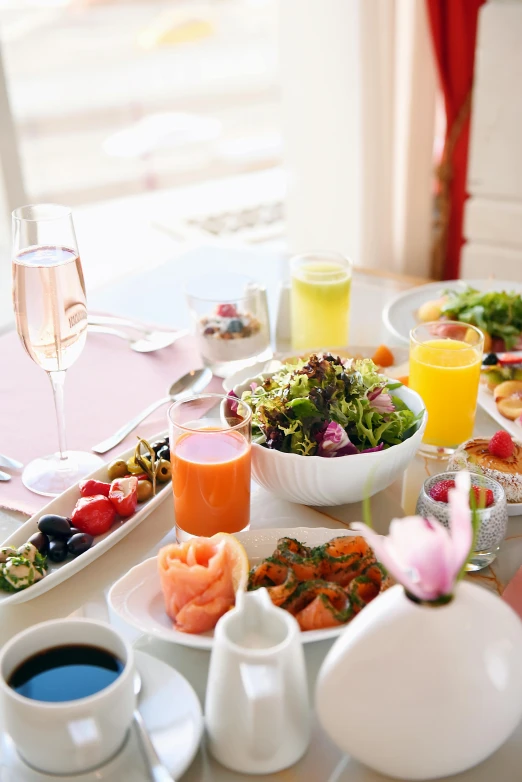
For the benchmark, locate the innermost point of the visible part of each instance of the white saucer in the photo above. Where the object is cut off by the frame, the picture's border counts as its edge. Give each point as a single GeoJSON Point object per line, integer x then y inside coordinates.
{"type": "Point", "coordinates": [172, 714]}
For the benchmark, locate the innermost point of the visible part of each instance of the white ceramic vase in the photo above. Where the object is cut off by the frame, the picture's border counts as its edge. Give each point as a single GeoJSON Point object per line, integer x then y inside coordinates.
{"type": "Point", "coordinates": [419, 692]}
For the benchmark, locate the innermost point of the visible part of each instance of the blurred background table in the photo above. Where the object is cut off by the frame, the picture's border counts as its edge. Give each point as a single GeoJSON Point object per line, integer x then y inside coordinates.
{"type": "Point", "coordinates": [157, 297]}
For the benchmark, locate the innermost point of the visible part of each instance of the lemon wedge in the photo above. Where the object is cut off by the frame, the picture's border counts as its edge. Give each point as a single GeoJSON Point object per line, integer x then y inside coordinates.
{"type": "Point", "coordinates": [237, 557]}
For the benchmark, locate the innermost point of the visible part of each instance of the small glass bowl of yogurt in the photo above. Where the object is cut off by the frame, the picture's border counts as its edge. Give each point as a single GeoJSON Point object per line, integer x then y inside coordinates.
{"type": "Point", "coordinates": [493, 518]}
{"type": "Point", "coordinates": [230, 321]}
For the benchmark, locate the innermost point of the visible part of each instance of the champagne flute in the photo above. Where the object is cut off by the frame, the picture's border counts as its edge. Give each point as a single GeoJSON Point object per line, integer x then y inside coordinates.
{"type": "Point", "coordinates": [51, 319]}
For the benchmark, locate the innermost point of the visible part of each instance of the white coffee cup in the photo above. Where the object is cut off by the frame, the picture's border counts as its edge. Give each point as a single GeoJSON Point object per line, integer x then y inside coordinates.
{"type": "Point", "coordinates": [68, 737]}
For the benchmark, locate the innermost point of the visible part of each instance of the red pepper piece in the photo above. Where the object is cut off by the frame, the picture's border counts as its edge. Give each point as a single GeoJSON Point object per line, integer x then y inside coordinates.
{"type": "Point", "coordinates": [124, 495]}
{"type": "Point", "coordinates": [91, 487]}
{"type": "Point", "coordinates": [510, 359]}
{"type": "Point", "coordinates": [94, 515]}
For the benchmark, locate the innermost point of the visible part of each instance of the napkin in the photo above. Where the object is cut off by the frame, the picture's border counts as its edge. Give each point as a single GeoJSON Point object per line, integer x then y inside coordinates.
{"type": "Point", "coordinates": [107, 385]}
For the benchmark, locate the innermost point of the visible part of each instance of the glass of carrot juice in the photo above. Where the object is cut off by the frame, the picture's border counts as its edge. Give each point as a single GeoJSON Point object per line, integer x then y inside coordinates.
{"type": "Point", "coordinates": [445, 362]}
{"type": "Point", "coordinates": [210, 443]}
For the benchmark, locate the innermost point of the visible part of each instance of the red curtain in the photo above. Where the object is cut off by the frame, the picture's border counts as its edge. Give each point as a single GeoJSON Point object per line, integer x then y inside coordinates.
{"type": "Point", "coordinates": [454, 30]}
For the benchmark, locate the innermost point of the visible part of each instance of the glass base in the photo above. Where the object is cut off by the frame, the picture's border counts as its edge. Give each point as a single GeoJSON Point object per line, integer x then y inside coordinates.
{"type": "Point", "coordinates": [481, 559]}
{"type": "Point", "coordinates": [225, 369]}
{"type": "Point", "coordinates": [435, 451]}
{"type": "Point", "coordinates": [183, 537]}
{"type": "Point", "coordinates": [50, 475]}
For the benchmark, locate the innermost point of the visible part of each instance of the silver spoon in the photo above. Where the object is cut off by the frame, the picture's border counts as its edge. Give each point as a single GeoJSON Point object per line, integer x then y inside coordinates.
{"type": "Point", "coordinates": [148, 343]}
{"type": "Point", "coordinates": [192, 383]}
{"type": "Point", "coordinates": [156, 769]}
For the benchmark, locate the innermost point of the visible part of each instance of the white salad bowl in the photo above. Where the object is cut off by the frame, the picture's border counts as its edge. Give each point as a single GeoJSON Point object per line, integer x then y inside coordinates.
{"type": "Point", "coordinates": [316, 480]}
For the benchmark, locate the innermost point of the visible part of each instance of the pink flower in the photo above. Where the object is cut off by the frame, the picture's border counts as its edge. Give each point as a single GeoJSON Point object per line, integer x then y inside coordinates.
{"type": "Point", "coordinates": [423, 555]}
{"type": "Point", "coordinates": [381, 401]}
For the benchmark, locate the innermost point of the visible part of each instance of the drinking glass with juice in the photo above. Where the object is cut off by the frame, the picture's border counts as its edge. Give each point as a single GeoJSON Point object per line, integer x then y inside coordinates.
{"type": "Point", "coordinates": [320, 300]}
{"type": "Point", "coordinates": [445, 372]}
{"type": "Point", "coordinates": [210, 444]}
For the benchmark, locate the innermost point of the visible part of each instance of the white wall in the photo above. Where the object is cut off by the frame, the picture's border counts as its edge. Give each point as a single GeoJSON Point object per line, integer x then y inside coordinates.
{"type": "Point", "coordinates": [319, 54]}
{"type": "Point", "coordinates": [493, 215]}
{"type": "Point", "coordinates": [11, 195]}
{"type": "Point", "coordinates": [359, 87]}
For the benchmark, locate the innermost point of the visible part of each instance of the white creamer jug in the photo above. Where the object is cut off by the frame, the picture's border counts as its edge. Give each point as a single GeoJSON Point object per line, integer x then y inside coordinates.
{"type": "Point", "coordinates": [257, 709]}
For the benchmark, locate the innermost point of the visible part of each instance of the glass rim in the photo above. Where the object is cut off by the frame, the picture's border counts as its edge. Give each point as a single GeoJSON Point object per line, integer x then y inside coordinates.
{"type": "Point", "coordinates": [459, 323]}
{"type": "Point", "coordinates": [16, 214]}
{"type": "Point", "coordinates": [321, 256]}
{"type": "Point", "coordinates": [200, 397]}
{"type": "Point", "coordinates": [257, 287]}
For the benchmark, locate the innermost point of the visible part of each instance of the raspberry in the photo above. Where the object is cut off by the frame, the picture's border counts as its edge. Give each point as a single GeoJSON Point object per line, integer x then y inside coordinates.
{"type": "Point", "coordinates": [501, 445]}
{"type": "Point", "coordinates": [483, 497]}
{"type": "Point", "coordinates": [439, 492]}
{"type": "Point", "coordinates": [226, 310]}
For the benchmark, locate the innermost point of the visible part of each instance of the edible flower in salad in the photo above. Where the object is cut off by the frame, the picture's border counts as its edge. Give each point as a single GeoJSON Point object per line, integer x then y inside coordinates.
{"type": "Point", "coordinates": [333, 440]}
{"type": "Point", "coordinates": [324, 406]}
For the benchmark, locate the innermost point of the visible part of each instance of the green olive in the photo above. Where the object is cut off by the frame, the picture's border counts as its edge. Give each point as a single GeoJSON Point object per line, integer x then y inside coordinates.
{"type": "Point", "coordinates": [144, 490]}
{"type": "Point", "coordinates": [132, 467]}
{"type": "Point", "coordinates": [164, 472]}
{"type": "Point", "coordinates": [117, 469]}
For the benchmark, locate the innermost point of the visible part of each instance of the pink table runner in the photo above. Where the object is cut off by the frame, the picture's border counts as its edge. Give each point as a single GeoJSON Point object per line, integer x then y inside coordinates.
{"type": "Point", "coordinates": [108, 385]}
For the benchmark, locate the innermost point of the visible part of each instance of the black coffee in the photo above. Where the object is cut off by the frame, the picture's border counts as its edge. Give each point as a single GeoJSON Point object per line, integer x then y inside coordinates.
{"type": "Point", "coordinates": [65, 673]}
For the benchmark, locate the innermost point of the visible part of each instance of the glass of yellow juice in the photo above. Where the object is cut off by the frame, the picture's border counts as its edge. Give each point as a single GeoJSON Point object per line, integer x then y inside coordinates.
{"type": "Point", "coordinates": [320, 300]}
{"type": "Point", "coordinates": [445, 362]}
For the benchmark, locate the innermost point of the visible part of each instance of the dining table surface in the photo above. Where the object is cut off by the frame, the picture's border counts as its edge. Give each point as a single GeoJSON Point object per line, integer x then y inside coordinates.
{"type": "Point", "coordinates": [86, 594]}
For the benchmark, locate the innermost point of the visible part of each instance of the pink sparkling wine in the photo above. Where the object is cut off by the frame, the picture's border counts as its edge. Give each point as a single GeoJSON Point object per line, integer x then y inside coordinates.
{"type": "Point", "coordinates": [50, 305]}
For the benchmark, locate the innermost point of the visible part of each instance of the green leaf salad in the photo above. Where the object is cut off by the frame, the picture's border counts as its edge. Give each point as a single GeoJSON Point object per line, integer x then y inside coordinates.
{"type": "Point", "coordinates": [498, 313]}
{"type": "Point", "coordinates": [324, 407]}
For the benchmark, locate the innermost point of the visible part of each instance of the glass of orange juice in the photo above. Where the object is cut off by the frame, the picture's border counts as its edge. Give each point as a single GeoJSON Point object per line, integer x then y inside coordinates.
{"type": "Point", "coordinates": [210, 442]}
{"type": "Point", "coordinates": [445, 362]}
{"type": "Point", "coordinates": [320, 300]}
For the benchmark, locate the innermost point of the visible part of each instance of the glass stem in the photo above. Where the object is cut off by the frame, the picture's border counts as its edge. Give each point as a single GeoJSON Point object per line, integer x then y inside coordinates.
{"type": "Point", "coordinates": [57, 381]}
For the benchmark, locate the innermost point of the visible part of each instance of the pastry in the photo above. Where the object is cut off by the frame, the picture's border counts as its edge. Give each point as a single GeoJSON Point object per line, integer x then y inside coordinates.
{"type": "Point", "coordinates": [499, 458]}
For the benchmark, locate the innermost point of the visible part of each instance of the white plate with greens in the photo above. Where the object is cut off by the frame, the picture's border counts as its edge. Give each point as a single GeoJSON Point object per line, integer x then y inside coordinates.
{"type": "Point", "coordinates": [400, 315]}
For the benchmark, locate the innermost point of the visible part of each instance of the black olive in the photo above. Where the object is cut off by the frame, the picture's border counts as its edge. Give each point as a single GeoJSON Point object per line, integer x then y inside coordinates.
{"type": "Point", "coordinates": [40, 541]}
{"type": "Point", "coordinates": [55, 526]}
{"type": "Point", "coordinates": [491, 360]}
{"type": "Point", "coordinates": [79, 543]}
{"type": "Point", "coordinates": [74, 531]}
{"type": "Point", "coordinates": [57, 550]}
{"type": "Point", "coordinates": [164, 453]}
{"type": "Point", "coordinates": [157, 446]}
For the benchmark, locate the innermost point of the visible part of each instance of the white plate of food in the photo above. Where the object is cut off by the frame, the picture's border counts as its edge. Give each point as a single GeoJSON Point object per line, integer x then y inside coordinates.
{"type": "Point", "coordinates": [402, 314]}
{"type": "Point", "coordinates": [16, 571]}
{"type": "Point", "coordinates": [138, 600]}
{"type": "Point", "coordinates": [398, 367]}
